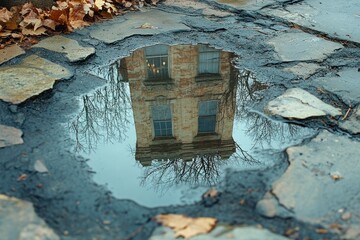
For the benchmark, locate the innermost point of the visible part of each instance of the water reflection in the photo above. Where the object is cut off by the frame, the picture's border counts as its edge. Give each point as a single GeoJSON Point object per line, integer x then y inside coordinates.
{"type": "Point", "coordinates": [184, 104]}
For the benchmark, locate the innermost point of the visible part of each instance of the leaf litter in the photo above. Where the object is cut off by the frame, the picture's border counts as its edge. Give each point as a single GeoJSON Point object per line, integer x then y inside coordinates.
{"type": "Point", "coordinates": [184, 226]}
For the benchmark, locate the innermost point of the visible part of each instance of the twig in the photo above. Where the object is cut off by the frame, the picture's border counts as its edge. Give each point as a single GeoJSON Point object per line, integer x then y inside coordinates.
{"type": "Point", "coordinates": [347, 114]}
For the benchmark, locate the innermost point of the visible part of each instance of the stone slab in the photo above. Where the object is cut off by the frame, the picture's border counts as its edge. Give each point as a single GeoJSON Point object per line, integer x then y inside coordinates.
{"type": "Point", "coordinates": [352, 124]}
{"type": "Point", "coordinates": [300, 46]}
{"type": "Point", "coordinates": [346, 85]}
{"type": "Point", "coordinates": [29, 78]}
{"type": "Point", "coordinates": [340, 19]}
{"type": "Point", "coordinates": [10, 52]}
{"type": "Point", "coordinates": [149, 22]}
{"type": "Point", "coordinates": [322, 180]}
{"type": "Point", "coordinates": [223, 232]}
{"type": "Point", "coordinates": [247, 4]}
{"type": "Point", "coordinates": [10, 136]}
{"type": "Point", "coordinates": [18, 220]}
{"type": "Point", "coordinates": [72, 49]}
{"type": "Point", "coordinates": [304, 70]}
{"type": "Point", "coordinates": [196, 5]}
{"type": "Point", "coordinates": [299, 104]}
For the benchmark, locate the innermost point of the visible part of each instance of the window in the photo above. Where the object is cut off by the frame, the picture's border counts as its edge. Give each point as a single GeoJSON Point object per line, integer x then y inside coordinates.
{"type": "Point", "coordinates": [157, 62]}
{"type": "Point", "coordinates": [161, 115]}
{"type": "Point", "coordinates": [207, 116]}
{"type": "Point", "coordinates": [208, 60]}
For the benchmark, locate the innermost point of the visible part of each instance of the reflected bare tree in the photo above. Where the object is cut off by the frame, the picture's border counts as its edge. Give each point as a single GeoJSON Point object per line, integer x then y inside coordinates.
{"type": "Point", "coordinates": [260, 128]}
{"type": "Point", "coordinates": [104, 115]}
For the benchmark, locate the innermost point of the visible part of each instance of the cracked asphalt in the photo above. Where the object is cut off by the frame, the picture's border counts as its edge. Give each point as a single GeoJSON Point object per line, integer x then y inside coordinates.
{"type": "Point", "coordinates": [285, 44]}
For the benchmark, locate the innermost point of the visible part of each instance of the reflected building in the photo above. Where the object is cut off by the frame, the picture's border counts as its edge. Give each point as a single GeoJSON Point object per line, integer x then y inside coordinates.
{"type": "Point", "coordinates": [181, 102]}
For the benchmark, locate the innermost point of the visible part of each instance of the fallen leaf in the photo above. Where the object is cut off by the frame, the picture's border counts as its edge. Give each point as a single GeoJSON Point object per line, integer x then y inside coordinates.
{"type": "Point", "coordinates": [22, 177]}
{"type": "Point", "coordinates": [5, 15]}
{"type": "Point", "coordinates": [37, 32]}
{"type": "Point", "coordinates": [99, 4]}
{"type": "Point", "coordinates": [186, 226]}
{"type": "Point", "coordinates": [242, 202]}
{"type": "Point", "coordinates": [321, 231]}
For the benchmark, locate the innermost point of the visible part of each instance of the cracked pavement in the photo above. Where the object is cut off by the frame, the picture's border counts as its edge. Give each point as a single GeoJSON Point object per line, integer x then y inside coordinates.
{"type": "Point", "coordinates": [312, 190]}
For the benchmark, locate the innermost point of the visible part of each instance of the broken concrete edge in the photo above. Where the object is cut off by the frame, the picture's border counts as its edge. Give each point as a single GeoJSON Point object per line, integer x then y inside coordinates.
{"type": "Point", "coordinates": [71, 48]}
{"type": "Point", "coordinates": [44, 75]}
{"type": "Point", "coordinates": [20, 221]}
{"type": "Point", "coordinates": [10, 136]}
{"type": "Point", "coordinates": [296, 103]}
{"type": "Point", "coordinates": [10, 52]}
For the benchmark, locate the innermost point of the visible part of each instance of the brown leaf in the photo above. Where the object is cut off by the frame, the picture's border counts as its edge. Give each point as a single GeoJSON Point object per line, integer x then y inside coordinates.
{"type": "Point", "coordinates": [186, 226]}
{"type": "Point", "coordinates": [37, 32]}
{"type": "Point", "coordinates": [99, 4]}
{"type": "Point", "coordinates": [22, 177]}
{"type": "Point", "coordinates": [5, 15]}
{"type": "Point", "coordinates": [321, 231]}
{"type": "Point", "coordinates": [49, 23]}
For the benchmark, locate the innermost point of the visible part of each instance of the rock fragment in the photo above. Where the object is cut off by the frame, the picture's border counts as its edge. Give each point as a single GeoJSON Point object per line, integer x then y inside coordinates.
{"type": "Point", "coordinates": [306, 187]}
{"type": "Point", "coordinates": [299, 104]}
{"type": "Point", "coordinates": [300, 46]}
{"type": "Point", "coordinates": [346, 85]}
{"type": "Point", "coordinates": [19, 221]}
{"type": "Point", "coordinates": [10, 136]}
{"type": "Point", "coordinates": [10, 52]}
{"type": "Point", "coordinates": [72, 49]}
{"type": "Point", "coordinates": [31, 77]}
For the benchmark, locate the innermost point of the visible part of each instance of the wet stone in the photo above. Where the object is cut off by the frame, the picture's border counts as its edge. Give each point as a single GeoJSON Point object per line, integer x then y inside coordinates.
{"type": "Point", "coordinates": [72, 49]}
{"type": "Point", "coordinates": [267, 207]}
{"type": "Point", "coordinates": [247, 4]}
{"type": "Point", "coordinates": [10, 52]}
{"type": "Point", "coordinates": [346, 85]}
{"type": "Point", "coordinates": [180, 108]}
{"type": "Point", "coordinates": [31, 77]}
{"type": "Point", "coordinates": [304, 70]}
{"type": "Point", "coordinates": [352, 124]}
{"type": "Point", "coordinates": [205, 8]}
{"type": "Point", "coordinates": [300, 46]}
{"type": "Point", "coordinates": [336, 19]}
{"type": "Point", "coordinates": [308, 187]}
{"type": "Point", "coordinates": [139, 23]}
{"type": "Point", "coordinates": [299, 104]}
{"type": "Point", "coordinates": [223, 232]}
{"type": "Point", "coordinates": [18, 220]}
{"type": "Point", "coordinates": [10, 136]}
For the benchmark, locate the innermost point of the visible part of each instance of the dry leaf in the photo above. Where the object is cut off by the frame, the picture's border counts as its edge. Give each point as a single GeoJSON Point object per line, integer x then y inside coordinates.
{"type": "Point", "coordinates": [186, 226]}
{"type": "Point", "coordinates": [5, 15]}
{"type": "Point", "coordinates": [31, 32]}
{"type": "Point", "coordinates": [22, 177]}
{"type": "Point", "coordinates": [321, 231]}
{"type": "Point", "coordinates": [99, 4]}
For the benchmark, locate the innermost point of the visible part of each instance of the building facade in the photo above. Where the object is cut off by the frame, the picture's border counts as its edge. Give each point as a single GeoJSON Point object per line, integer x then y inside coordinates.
{"type": "Point", "coordinates": [182, 101]}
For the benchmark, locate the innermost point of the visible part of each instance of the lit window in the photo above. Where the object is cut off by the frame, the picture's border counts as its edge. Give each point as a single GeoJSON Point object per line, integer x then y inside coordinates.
{"type": "Point", "coordinates": [157, 62]}
{"type": "Point", "coordinates": [161, 115]}
{"type": "Point", "coordinates": [208, 60]}
{"type": "Point", "coordinates": [207, 116]}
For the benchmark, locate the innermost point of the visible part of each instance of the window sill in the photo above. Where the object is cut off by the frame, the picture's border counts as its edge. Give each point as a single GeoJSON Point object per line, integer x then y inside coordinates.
{"type": "Point", "coordinates": [159, 82]}
{"type": "Point", "coordinates": [208, 77]}
{"type": "Point", "coordinates": [206, 136]}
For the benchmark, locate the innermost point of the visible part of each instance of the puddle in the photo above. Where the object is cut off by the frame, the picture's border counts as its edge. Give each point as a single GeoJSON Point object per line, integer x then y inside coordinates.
{"type": "Point", "coordinates": [171, 120]}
